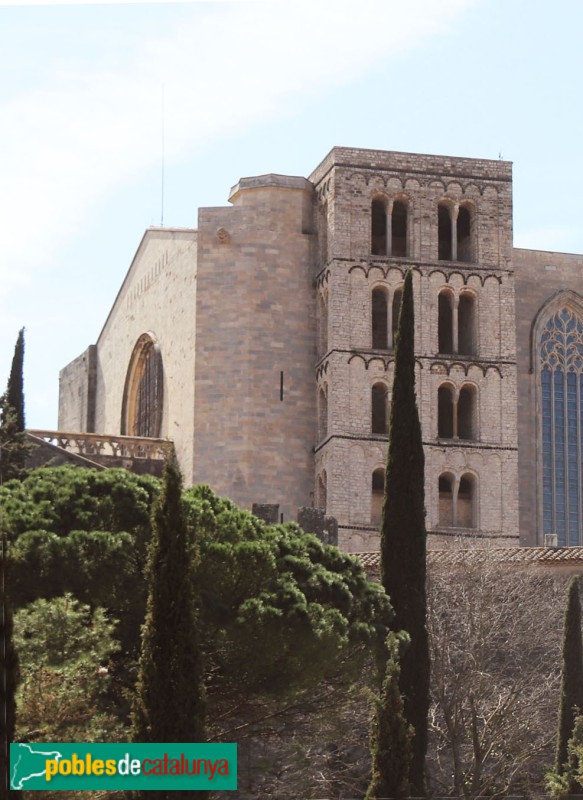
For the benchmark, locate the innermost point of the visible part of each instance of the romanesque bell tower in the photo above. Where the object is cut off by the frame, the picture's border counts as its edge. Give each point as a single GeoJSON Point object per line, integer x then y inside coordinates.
{"type": "Point", "coordinates": [450, 221]}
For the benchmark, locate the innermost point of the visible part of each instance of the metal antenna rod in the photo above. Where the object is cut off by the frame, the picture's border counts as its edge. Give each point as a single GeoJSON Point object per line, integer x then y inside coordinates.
{"type": "Point", "coordinates": [163, 159]}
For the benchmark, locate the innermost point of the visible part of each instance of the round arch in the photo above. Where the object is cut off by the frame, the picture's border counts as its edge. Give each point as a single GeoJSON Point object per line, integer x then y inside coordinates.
{"type": "Point", "coordinates": [143, 397]}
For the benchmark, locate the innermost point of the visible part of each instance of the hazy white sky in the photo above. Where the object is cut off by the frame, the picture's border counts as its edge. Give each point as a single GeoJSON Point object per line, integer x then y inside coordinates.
{"type": "Point", "coordinates": [243, 88]}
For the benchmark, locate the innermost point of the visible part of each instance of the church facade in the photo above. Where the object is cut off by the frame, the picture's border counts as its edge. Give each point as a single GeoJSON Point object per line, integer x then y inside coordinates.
{"type": "Point", "coordinates": [262, 344]}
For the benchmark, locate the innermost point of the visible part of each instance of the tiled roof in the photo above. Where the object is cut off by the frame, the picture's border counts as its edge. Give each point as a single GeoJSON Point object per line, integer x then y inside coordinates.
{"type": "Point", "coordinates": [507, 555]}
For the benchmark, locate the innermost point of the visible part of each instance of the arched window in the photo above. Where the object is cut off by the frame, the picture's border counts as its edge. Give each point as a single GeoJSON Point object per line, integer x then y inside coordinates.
{"type": "Point", "coordinates": [445, 322]}
{"type": "Point", "coordinates": [377, 496]}
{"type": "Point", "coordinates": [466, 513]}
{"type": "Point", "coordinates": [445, 412]}
{"type": "Point", "coordinates": [322, 324]}
{"type": "Point", "coordinates": [395, 311]}
{"type": "Point", "coordinates": [380, 319]}
{"type": "Point", "coordinates": [322, 490]}
{"type": "Point", "coordinates": [446, 483]}
{"type": "Point", "coordinates": [144, 391]}
{"type": "Point", "coordinates": [464, 235]}
{"type": "Point", "coordinates": [399, 230]}
{"type": "Point", "coordinates": [379, 408]}
{"type": "Point", "coordinates": [444, 249]}
{"type": "Point", "coordinates": [379, 228]}
{"type": "Point", "coordinates": [561, 404]}
{"type": "Point", "coordinates": [467, 324]}
{"type": "Point", "coordinates": [455, 232]}
{"type": "Point", "coordinates": [466, 413]}
{"type": "Point", "coordinates": [456, 323]}
{"type": "Point", "coordinates": [457, 501]}
{"type": "Point", "coordinates": [322, 414]}
{"type": "Point", "coordinates": [457, 416]}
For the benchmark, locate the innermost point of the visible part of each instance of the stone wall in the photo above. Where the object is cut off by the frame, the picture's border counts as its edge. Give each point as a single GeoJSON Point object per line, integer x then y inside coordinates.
{"type": "Point", "coordinates": [254, 415]}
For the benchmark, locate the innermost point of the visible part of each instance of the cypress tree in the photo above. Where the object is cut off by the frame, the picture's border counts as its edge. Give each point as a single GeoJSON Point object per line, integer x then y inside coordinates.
{"type": "Point", "coordinates": [403, 537]}
{"type": "Point", "coordinates": [391, 736]}
{"type": "Point", "coordinates": [571, 700]}
{"type": "Point", "coordinates": [8, 682]}
{"type": "Point", "coordinates": [14, 447]}
{"type": "Point", "coordinates": [169, 704]}
{"type": "Point", "coordinates": [15, 388]}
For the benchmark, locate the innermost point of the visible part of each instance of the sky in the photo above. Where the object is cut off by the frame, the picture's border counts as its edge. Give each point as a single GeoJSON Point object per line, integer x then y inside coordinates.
{"type": "Point", "coordinates": [116, 117]}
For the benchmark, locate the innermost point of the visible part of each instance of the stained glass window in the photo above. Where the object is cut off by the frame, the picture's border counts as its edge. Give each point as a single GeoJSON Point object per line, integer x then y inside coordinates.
{"type": "Point", "coordinates": [561, 387]}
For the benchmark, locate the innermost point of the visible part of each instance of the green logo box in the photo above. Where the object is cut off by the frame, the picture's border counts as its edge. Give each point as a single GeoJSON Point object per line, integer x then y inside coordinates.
{"type": "Point", "coordinates": [62, 766]}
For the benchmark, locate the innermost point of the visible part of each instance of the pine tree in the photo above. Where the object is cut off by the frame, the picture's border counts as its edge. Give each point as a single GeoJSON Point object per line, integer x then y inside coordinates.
{"type": "Point", "coordinates": [403, 537]}
{"type": "Point", "coordinates": [572, 679]}
{"type": "Point", "coordinates": [8, 682]}
{"type": "Point", "coordinates": [14, 447]}
{"type": "Point", "coordinates": [391, 736]}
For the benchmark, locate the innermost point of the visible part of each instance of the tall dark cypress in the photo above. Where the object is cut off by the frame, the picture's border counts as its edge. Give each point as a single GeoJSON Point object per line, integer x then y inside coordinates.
{"type": "Point", "coordinates": [403, 537]}
{"type": "Point", "coordinates": [15, 388]}
{"type": "Point", "coordinates": [169, 704]}
{"type": "Point", "coordinates": [391, 737]}
{"type": "Point", "coordinates": [8, 682]}
{"type": "Point", "coordinates": [572, 677]}
{"type": "Point", "coordinates": [14, 447]}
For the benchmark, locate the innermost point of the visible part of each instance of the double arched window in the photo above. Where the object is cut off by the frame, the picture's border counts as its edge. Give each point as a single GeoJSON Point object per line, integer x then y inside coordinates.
{"type": "Point", "coordinates": [144, 390]}
{"type": "Point", "coordinates": [560, 361]}
{"type": "Point", "coordinates": [455, 232]}
{"type": "Point", "coordinates": [457, 501]}
{"type": "Point", "coordinates": [456, 323]}
{"type": "Point", "coordinates": [389, 228]}
{"type": "Point", "coordinates": [457, 412]}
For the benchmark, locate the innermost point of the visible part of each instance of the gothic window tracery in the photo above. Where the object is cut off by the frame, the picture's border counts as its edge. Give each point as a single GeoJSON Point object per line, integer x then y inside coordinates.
{"type": "Point", "coordinates": [144, 391]}
{"type": "Point", "coordinates": [561, 403]}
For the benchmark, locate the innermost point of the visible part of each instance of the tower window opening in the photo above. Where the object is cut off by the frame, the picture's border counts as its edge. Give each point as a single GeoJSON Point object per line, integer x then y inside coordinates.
{"type": "Point", "coordinates": [466, 325]}
{"type": "Point", "coordinates": [379, 417]}
{"type": "Point", "coordinates": [444, 233]}
{"type": "Point", "coordinates": [395, 311]}
{"type": "Point", "coordinates": [377, 496]}
{"type": "Point", "coordinates": [465, 503]}
{"type": "Point", "coordinates": [466, 413]}
{"type": "Point", "coordinates": [399, 230]}
{"type": "Point", "coordinates": [446, 501]}
{"type": "Point", "coordinates": [445, 322]}
{"type": "Point", "coordinates": [379, 228]}
{"type": "Point", "coordinates": [457, 502]}
{"type": "Point", "coordinates": [464, 235]}
{"type": "Point", "coordinates": [322, 491]}
{"type": "Point", "coordinates": [380, 320]}
{"type": "Point", "coordinates": [322, 414]}
{"type": "Point", "coordinates": [445, 412]}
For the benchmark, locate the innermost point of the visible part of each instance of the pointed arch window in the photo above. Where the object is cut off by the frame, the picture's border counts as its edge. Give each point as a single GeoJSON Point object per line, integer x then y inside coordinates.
{"type": "Point", "coordinates": [561, 404]}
